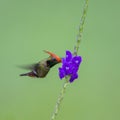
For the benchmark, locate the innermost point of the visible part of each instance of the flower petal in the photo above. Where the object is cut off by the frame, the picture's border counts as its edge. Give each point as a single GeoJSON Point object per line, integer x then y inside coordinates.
{"type": "Point", "coordinates": [61, 73]}
{"type": "Point", "coordinates": [68, 56]}
{"type": "Point", "coordinates": [77, 60]}
{"type": "Point", "coordinates": [67, 68]}
{"type": "Point", "coordinates": [70, 66]}
{"type": "Point", "coordinates": [75, 69]}
{"type": "Point", "coordinates": [63, 61]}
{"type": "Point", "coordinates": [73, 77]}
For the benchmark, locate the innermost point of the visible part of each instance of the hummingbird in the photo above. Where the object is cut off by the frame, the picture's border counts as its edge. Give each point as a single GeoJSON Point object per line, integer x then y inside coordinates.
{"type": "Point", "coordinates": [41, 69]}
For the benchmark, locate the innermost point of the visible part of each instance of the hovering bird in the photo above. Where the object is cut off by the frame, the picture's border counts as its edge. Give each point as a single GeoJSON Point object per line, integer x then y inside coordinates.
{"type": "Point", "coordinates": [41, 69]}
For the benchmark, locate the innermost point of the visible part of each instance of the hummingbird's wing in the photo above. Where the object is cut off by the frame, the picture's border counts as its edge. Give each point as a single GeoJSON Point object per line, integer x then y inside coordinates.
{"type": "Point", "coordinates": [28, 67]}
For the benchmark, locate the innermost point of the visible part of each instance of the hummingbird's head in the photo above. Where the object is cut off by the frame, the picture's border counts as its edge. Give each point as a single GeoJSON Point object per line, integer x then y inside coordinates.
{"type": "Point", "coordinates": [52, 62]}
{"type": "Point", "coordinates": [54, 59]}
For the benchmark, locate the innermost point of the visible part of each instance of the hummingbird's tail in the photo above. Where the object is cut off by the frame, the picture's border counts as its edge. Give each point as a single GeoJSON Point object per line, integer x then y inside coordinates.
{"type": "Point", "coordinates": [30, 74]}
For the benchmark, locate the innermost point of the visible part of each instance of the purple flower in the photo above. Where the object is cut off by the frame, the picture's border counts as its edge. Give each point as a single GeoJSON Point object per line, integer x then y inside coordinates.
{"type": "Point", "coordinates": [70, 66]}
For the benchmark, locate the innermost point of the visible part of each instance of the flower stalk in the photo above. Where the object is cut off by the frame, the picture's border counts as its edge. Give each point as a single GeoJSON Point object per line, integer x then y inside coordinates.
{"type": "Point", "coordinates": [76, 48]}
{"type": "Point", "coordinates": [82, 21]}
{"type": "Point", "coordinates": [60, 98]}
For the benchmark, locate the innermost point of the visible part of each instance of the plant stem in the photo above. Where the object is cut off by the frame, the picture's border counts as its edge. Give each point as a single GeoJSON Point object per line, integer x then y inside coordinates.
{"type": "Point", "coordinates": [76, 48]}
{"type": "Point", "coordinates": [82, 20]}
{"type": "Point", "coordinates": [60, 98]}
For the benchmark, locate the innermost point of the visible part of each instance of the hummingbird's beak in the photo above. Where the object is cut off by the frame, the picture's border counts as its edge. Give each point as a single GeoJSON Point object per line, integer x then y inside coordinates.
{"type": "Point", "coordinates": [54, 56]}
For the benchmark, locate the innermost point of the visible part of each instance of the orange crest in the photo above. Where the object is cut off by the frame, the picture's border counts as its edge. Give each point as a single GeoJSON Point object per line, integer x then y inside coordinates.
{"type": "Point", "coordinates": [53, 55]}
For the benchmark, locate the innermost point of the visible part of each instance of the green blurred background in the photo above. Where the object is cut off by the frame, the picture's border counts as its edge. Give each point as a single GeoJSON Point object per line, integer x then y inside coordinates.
{"type": "Point", "coordinates": [27, 27]}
